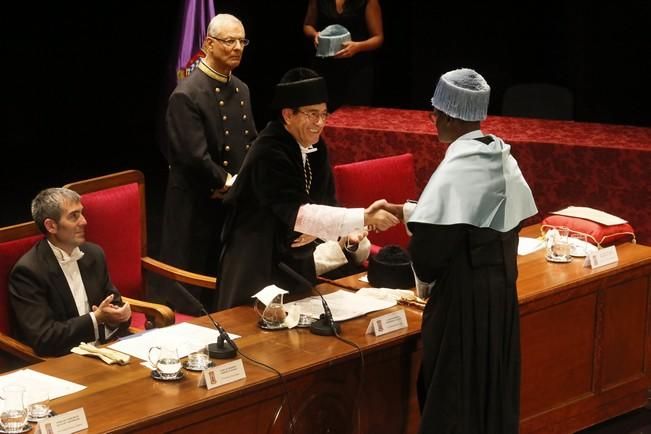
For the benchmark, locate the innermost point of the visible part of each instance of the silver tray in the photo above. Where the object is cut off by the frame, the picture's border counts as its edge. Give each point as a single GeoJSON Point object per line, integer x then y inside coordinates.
{"type": "Point", "coordinates": [27, 427]}
{"type": "Point", "coordinates": [558, 260]}
{"type": "Point", "coordinates": [38, 419]}
{"type": "Point", "coordinates": [156, 376]}
{"type": "Point", "coordinates": [192, 368]}
{"type": "Point", "coordinates": [264, 326]}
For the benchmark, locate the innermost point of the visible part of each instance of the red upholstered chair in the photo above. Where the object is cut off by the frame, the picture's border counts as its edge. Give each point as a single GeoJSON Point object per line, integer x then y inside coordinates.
{"type": "Point", "coordinates": [15, 241]}
{"type": "Point", "coordinates": [392, 178]}
{"type": "Point", "coordinates": [114, 206]}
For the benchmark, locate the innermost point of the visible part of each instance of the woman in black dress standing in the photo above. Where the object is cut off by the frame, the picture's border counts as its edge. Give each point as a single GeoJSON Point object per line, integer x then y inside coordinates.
{"type": "Point", "coordinates": [349, 73]}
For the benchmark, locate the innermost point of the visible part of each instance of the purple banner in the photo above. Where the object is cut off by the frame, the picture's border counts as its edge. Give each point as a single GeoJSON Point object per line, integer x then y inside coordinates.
{"type": "Point", "coordinates": [196, 16]}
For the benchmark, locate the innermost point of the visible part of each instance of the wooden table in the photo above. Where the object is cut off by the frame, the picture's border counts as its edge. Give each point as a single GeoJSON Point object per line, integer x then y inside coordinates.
{"type": "Point", "coordinates": [585, 337]}
{"type": "Point", "coordinates": [585, 358]}
{"type": "Point", "coordinates": [321, 374]}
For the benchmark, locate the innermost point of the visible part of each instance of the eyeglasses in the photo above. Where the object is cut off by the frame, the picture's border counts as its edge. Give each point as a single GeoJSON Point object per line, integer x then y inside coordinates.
{"type": "Point", "coordinates": [315, 116]}
{"type": "Point", "coordinates": [230, 43]}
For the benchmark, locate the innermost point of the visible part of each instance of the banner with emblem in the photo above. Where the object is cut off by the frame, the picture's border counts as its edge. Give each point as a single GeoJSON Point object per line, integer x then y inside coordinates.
{"type": "Point", "coordinates": [196, 16]}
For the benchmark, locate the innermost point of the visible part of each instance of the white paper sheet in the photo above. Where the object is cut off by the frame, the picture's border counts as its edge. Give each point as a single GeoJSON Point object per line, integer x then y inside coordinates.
{"type": "Point", "coordinates": [592, 214]}
{"type": "Point", "coordinates": [268, 293]}
{"type": "Point", "coordinates": [185, 337]}
{"type": "Point", "coordinates": [343, 305]}
{"type": "Point", "coordinates": [529, 245]}
{"type": "Point", "coordinates": [34, 380]}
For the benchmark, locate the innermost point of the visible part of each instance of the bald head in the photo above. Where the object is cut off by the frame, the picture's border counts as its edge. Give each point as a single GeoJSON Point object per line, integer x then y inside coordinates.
{"type": "Point", "coordinates": [221, 22]}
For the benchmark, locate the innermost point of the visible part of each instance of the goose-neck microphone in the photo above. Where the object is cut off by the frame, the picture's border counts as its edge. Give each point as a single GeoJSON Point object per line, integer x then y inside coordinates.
{"type": "Point", "coordinates": [325, 325]}
{"type": "Point", "coordinates": [225, 347]}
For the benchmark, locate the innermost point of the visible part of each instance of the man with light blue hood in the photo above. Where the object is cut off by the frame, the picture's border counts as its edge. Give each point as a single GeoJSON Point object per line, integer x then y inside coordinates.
{"type": "Point", "coordinates": [464, 255]}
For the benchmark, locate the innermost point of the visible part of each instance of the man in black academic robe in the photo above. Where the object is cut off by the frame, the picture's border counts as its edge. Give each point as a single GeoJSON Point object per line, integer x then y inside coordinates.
{"type": "Point", "coordinates": [464, 255]}
{"type": "Point", "coordinates": [283, 186]}
{"type": "Point", "coordinates": [464, 249]}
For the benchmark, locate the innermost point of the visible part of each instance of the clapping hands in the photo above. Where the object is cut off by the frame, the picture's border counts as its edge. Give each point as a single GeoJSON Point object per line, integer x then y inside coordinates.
{"type": "Point", "coordinates": [111, 314]}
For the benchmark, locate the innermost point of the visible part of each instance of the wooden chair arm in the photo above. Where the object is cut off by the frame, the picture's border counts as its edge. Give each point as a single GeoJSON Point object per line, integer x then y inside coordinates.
{"type": "Point", "coordinates": [178, 274]}
{"type": "Point", "coordinates": [18, 349]}
{"type": "Point", "coordinates": [162, 315]}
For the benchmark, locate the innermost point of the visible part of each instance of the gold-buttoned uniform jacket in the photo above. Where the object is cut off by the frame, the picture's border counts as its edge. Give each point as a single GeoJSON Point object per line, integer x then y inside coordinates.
{"type": "Point", "coordinates": [210, 128]}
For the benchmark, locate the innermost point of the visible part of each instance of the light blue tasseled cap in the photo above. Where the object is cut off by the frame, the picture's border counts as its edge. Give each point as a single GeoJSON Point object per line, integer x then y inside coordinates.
{"type": "Point", "coordinates": [462, 94]}
{"type": "Point", "coordinates": [330, 40]}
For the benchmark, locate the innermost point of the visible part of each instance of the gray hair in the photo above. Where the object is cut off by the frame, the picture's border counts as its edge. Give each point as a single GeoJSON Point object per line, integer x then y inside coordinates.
{"type": "Point", "coordinates": [218, 21]}
{"type": "Point", "coordinates": [47, 205]}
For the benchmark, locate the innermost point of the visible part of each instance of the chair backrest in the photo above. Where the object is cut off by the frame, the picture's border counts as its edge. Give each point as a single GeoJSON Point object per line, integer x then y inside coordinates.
{"type": "Point", "coordinates": [392, 178]}
{"type": "Point", "coordinates": [15, 241]}
{"type": "Point", "coordinates": [538, 100]}
{"type": "Point", "coordinates": [114, 206]}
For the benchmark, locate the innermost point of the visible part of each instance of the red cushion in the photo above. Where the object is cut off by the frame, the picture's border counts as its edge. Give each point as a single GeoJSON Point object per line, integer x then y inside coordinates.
{"type": "Point", "coordinates": [113, 218]}
{"type": "Point", "coordinates": [10, 253]}
{"type": "Point", "coordinates": [392, 178]}
{"type": "Point", "coordinates": [596, 233]}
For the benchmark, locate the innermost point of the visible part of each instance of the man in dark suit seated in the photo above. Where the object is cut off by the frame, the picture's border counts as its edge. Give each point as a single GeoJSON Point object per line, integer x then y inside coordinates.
{"type": "Point", "coordinates": [60, 289]}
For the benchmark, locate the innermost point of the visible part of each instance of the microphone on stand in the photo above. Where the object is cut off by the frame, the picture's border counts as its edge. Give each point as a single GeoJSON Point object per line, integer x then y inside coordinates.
{"type": "Point", "coordinates": [325, 325]}
{"type": "Point", "coordinates": [225, 347]}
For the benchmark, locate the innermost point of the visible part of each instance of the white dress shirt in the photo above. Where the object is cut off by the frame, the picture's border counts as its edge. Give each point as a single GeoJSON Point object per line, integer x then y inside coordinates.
{"type": "Point", "coordinates": [327, 222]}
{"type": "Point", "coordinates": [70, 268]}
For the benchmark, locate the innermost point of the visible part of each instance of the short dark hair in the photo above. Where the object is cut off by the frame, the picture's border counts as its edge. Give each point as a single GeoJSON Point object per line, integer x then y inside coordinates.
{"type": "Point", "coordinates": [47, 205]}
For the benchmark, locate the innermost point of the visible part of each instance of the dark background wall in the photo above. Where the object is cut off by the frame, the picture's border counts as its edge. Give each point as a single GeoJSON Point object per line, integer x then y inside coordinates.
{"type": "Point", "coordinates": [85, 85]}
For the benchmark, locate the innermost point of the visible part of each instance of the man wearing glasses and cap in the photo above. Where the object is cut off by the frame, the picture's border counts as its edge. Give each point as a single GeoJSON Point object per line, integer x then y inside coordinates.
{"type": "Point", "coordinates": [284, 198]}
{"type": "Point", "coordinates": [210, 128]}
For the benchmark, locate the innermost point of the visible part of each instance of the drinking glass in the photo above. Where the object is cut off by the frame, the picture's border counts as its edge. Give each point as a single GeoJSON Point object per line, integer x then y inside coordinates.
{"type": "Point", "coordinates": [38, 403]}
{"type": "Point", "coordinates": [578, 245]}
{"type": "Point", "coordinates": [273, 315]}
{"type": "Point", "coordinates": [199, 359]}
{"type": "Point", "coordinates": [558, 245]}
{"type": "Point", "coordinates": [14, 414]}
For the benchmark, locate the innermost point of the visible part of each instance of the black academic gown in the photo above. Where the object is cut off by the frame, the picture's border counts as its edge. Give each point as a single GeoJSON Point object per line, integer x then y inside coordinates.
{"type": "Point", "coordinates": [262, 209]}
{"type": "Point", "coordinates": [470, 375]}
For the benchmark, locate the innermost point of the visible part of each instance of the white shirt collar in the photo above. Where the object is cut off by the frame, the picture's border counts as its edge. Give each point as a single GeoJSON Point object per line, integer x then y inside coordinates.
{"type": "Point", "coordinates": [305, 151]}
{"type": "Point", "coordinates": [63, 257]}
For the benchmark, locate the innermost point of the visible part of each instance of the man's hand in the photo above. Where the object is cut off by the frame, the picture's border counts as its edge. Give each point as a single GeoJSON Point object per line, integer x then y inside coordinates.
{"type": "Point", "coordinates": [303, 240]}
{"type": "Point", "coordinates": [356, 237]}
{"type": "Point", "coordinates": [219, 194]}
{"type": "Point", "coordinates": [378, 204]}
{"type": "Point", "coordinates": [393, 208]}
{"type": "Point", "coordinates": [111, 314]}
{"type": "Point", "coordinates": [351, 241]}
{"type": "Point", "coordinates": [379, 219]}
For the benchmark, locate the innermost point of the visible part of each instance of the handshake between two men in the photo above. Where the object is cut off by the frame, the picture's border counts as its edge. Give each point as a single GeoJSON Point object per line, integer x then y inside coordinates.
{"type": "Point", "coordinates": [382, 215]}
{"type": "Point", "coordinates": [379, 216]}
